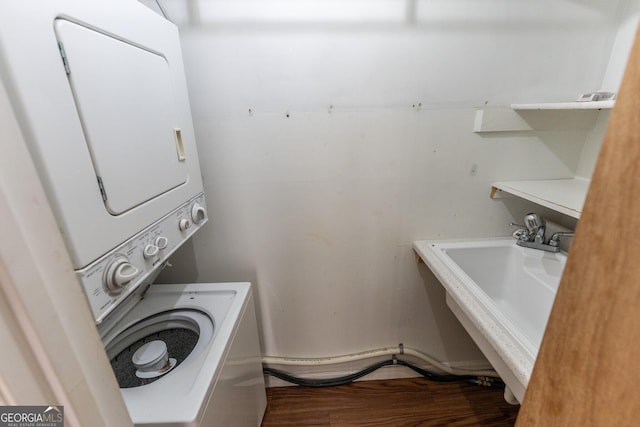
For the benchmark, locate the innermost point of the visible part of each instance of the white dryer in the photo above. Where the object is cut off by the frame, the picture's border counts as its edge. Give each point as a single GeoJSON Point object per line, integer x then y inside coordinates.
{"type": "Point", "coordinates": [100, 94]}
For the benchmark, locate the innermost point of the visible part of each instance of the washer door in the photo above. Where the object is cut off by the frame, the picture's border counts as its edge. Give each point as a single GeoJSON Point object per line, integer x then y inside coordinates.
{"type": "Point", "coordinates": [126, 105]}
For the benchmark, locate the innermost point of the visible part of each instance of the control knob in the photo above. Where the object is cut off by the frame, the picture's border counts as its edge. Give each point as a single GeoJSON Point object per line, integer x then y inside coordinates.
{"type": "Point", "coordinates": [198, 213]}
{"type": "Point", "coordinates": [150, 251]}
{"type": "Point", "coordinates": [184, 224]}
{"type": "Point", "coordinates": [119, 274]}
{"type": "Point", "coordinates": [161, 242]}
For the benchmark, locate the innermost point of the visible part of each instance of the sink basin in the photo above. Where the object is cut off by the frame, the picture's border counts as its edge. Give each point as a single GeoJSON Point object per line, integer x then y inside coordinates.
{"type": "Point", "coordinates": [502, 294]}
{"type": "Point", "coordinates": [520, 282]}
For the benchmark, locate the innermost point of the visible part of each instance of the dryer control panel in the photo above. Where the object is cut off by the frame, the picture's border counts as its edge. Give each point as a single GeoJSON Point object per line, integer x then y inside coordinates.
{"type": "Point", "coordinates": [112, 278]}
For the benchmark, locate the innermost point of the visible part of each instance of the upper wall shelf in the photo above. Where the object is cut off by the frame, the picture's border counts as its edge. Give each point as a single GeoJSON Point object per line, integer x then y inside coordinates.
{"type": "Point", "coordinates": [539, 116]}
{"type": "Point", "coordinates": [566, 196]}
{"type": "Point", "coordinates": [592, 105]}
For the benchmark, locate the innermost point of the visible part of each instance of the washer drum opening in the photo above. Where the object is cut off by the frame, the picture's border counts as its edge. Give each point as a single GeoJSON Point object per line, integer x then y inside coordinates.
{"type": "Point", "coordinates": [182, 332]}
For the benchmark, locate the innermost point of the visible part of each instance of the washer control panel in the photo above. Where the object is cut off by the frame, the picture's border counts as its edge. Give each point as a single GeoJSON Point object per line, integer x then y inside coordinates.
{"type": "Point", "coordinates": [113, 277]}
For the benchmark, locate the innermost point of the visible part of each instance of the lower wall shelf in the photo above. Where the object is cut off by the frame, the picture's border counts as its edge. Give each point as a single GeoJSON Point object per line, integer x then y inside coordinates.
{"type": "Point", "coordinates": [566, 196]}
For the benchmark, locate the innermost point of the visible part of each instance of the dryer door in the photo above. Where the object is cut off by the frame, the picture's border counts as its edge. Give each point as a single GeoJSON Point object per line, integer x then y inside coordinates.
{"type": "Point", "coordinates": [126, 105]}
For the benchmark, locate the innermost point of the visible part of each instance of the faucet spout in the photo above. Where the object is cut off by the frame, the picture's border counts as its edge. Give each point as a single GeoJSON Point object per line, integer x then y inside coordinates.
{"type": "Point", "coordinates": [535, 228]}
{"type": "Point", "coordinates": [533, 223]}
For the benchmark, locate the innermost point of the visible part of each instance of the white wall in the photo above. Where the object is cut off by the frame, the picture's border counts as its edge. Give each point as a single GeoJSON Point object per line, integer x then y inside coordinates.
{"type": "Point", "coordinates": [319, 208]}
{"type": "Point", "coordinates": [629, 16]}
{"type": "Point", "coordinates": [592, 145]}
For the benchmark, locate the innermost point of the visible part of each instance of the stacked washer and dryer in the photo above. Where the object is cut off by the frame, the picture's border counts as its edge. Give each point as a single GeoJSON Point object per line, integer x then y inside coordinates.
{"type": "Point", "coordinates": [100, 94]}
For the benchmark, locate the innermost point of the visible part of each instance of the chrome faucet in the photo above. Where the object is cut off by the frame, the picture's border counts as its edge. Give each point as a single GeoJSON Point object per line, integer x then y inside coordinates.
{"type": "Point", "coordinates": [533, 235]}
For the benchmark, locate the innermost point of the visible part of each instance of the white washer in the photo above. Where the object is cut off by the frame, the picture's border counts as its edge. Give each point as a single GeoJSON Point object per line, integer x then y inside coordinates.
{"type": "Point", "coordinates": [220, 382]}
{"type": "Point", "coordinates": [99, 92]}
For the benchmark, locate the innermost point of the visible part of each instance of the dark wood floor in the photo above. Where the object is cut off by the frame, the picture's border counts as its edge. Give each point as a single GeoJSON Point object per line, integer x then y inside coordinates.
{"type": "Point", "coordinates": [402, 402]}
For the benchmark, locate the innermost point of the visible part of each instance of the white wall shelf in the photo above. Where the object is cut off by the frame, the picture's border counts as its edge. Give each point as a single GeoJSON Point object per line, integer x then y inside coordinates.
{"type": "Point", "coordinates": [566, 196]}
{"type": "Point", "coordinates": [540, 116]}
{"type": "Point", "coordinates": [589, 105]}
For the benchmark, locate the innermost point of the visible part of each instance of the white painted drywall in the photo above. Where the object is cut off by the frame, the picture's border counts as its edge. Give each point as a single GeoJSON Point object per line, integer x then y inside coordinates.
{"type": "Point", "coordinates": [330, 140]}
{"type": "Point", "coordinates": [592, 145]}
{"type": "Point", "coordinates": [629, 17]}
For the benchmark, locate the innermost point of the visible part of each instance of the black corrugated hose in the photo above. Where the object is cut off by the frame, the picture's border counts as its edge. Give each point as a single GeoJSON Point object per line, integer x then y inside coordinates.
{"type": "Point", "coordinates": [330, 382]}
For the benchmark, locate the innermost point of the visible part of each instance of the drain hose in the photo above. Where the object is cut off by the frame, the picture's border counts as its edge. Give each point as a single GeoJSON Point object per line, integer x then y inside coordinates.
{"type": "Point", "coordinates": [330, 382]}
{"type": "Point", "coordinates": [480, 377]}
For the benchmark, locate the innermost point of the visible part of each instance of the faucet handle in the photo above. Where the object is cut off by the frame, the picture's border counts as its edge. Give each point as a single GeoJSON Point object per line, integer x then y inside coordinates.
{"type": "Point", "coordinates": [522, 233]}
{"type": "Point", "coordinates": [555, 238]}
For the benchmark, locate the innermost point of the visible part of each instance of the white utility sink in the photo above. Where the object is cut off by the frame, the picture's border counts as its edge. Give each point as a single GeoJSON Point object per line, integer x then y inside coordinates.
{"type": "Point", "coordinates": [502, 294]}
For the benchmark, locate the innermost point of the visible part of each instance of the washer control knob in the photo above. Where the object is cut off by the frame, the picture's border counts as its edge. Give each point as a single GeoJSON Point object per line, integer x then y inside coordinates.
{"type": "Point", "coordinates": [161, 242]}
{"type": "Point", "coordinates": [119, 274]}
{"type": "Point", "coordinates": [198, 214]}
{"type": "Point", "coordinates": [150, 251]}
{"type": "Point", "coordinates": [184, 224]}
